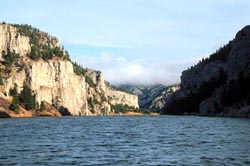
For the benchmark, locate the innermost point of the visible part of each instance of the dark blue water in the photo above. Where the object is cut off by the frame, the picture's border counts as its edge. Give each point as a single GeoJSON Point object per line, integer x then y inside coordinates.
{"type": "Point", "coordinates": [125, 141]}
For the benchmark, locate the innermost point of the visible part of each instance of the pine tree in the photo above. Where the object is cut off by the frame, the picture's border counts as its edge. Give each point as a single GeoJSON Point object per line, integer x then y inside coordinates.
{"type": "Point", "coordinates": [37, 106]}
{"type": "Point", "coordinates": [27, 98]}
{"type": "Point", "coordinates": [42, 106]}
{"type": "Point", "coordinates": [14, 106]}
{"type": "Point", "coordinates": [1, 79]}
{"type": "Point", "coordinates": [14, 92]}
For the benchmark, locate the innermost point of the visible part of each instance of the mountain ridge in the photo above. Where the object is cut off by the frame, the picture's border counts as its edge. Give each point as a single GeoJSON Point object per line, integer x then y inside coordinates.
{"type": "Point", "coordinates": [30, 56]}
{"type": "Point", "coordinates": [218, 85]}
{"type": "Point", "coordinates": [152, 96]}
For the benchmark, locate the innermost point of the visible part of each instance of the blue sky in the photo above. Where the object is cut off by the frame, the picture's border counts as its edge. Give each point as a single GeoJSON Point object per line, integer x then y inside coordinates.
{"type": "Point", "coordinates": [134, 41]}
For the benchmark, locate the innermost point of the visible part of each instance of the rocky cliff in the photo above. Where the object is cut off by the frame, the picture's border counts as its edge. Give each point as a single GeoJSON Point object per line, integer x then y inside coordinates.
{"type": "Point", "coordinates": [218, 85]}
{"type": "Point", "coordinates": [11, 39]}
{"type": "Point", "coordinates": [158, 103]}
{"type": "Point", "coordinates": [153, 97]}
{"type": "Point", "coordinates": [37, 59]}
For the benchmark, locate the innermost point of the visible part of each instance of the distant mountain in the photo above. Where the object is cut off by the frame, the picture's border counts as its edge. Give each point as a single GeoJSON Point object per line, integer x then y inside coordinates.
{"type": "Point", "coordinates": [218, 85]}
{"type": "Point", "coordinates": [151, 96]}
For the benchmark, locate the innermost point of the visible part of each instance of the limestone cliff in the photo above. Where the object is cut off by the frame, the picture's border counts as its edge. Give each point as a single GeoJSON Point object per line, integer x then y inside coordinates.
{"type": "Point", "coordinates": [162, 98]}
{"type": "Point", "coordinates": [36, 58]}
{"type": "Point", "coordinates": [53, 81]}
{"type": "Point", "coordinates": [11, 39]}
{"type": "Point", "coordinates": [152, 97]}
{"type": "Point", "coordinates": [218, 85]}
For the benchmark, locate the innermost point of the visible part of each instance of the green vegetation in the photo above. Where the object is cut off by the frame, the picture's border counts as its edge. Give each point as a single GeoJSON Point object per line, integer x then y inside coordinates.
{"type": "Point", "coordinates": [41, 46]}
{"type": "Point", "coordinates": [14, 106]}
{"type": "Point", "coordinates": [37, 106]}
{"type": "Point", "coordinates": [191, 102]}
{"type": "Point", "coordinates": [234, 93]}
{"type": "Point", "coordinates": [35, 53]}
{"type": "Point", "coordinates": [119, 89]}
{"type": "Point", "coordinates": [1, 79]}
{"type": "Point", "coordinates": [27, 99]}
{"type": "Point", "coordinates": [237, 91]}
{"type": "Point", "coordinates": [78, 69]}
{"type": "Point", "coordinates": [10, 57]}
{"type": "Point", "coordinates": [38, 50]}
{"type": "Point", "coordinates": [221, 54]}
{"type": "Point", "coordinates": [92, 102]}
{"type": "Point", "coordinates": [146, 111]}
{"type": "Point", "coordinates": [103, 98]}
{"type": "Point", "coordinates": [13, 91]}
{"type": "Point", "coordinates": [46, 53]}
{"type": "Point", "coordinates": [124, 108]}
{"type": "Point", "coordinates": [27, 30]}
{"type": "Point", "coordinates": [42, 107]}
{"type": "Point", "coordinates": [90, 81]}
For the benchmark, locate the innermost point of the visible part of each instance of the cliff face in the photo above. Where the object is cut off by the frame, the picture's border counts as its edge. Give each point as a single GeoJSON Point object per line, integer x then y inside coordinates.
{"type": "Point", "coordinates": [151, 97]}
{"type": "Point", "coordinates": [119, 97]}
{"type": "Point", "coordinates": [11, 39]}
{"type": "Point", "coordinates": [218, 85]}
{"type": "Point", "coordinates": [162, 98]}
{"type": "Point", "coordinates": [54, 80]}
{"type": "Point", "coordinates": [101, 97]}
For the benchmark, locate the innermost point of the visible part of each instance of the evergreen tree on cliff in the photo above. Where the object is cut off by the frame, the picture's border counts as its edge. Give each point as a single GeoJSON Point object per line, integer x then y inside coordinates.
{"type": "Point", "coordinates": [1, 79]}
{"type": "Point", "coordinates": [14, 106]}
{"type": "Point", "coordinates": [27, 98]}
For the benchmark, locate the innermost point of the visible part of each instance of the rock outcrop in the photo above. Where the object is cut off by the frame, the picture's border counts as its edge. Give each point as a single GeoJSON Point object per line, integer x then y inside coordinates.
{"type": "Point", "coordinates": [53, 81]}
{"type": "Point", "coordinates": [5, 112]}
{"type": "Point", "coordinates": [11, 39]}
{"type": "Point", "coordinates": [152, 97]}
{"type": "Point", "coordinates": [159, 102]}
{"type": "Point", "coordinates": [218, 85]}
{"type": "Point", "coordinates": [52, 76]}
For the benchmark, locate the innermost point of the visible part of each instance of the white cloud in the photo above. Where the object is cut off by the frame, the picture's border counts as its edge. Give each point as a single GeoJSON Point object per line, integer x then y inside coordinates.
{"type": "Point", "coordinates": [98, 44]}
{"type": "Point", "coordinates": [151, 28]}
{"type": "Point", "coordinates": [146, 70]}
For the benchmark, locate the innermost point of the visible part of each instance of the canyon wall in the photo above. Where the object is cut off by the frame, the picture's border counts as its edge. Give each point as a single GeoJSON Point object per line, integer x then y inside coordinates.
{"type": "Point", "coordinates": [54, 80]}
{"type": "Point", "coordinates": [218, 85]}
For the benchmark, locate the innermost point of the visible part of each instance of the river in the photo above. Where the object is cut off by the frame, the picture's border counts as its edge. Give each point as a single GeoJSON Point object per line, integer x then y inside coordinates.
{"type": "Point", "coordinates": [125, 141]}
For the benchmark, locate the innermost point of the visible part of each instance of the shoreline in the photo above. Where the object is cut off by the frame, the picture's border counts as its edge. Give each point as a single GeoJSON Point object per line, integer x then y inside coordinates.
{"type": "Point", "coordinates": [33, 114]}
{"type": "Point", "coordinates": [135, 114]}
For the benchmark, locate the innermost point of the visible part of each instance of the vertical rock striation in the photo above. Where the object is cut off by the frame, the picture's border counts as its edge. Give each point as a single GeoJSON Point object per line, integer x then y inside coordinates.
{"type": "Point", "coordinates": [54, 80]}
{"type": "Point", "coordinates": [11, 39]}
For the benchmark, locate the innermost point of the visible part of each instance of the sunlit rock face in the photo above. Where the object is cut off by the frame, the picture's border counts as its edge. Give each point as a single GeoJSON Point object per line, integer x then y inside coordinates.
{"type": "Point", "coordinates": [152, 97]}
{"type": "Point", "coordinates": [55, 81]}
{"type": "Point", "coordinates": [10, 38]}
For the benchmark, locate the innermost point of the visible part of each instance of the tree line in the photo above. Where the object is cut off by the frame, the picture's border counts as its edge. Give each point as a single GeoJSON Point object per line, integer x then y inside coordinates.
{"type": "Point", "coordinates": [26, 98]}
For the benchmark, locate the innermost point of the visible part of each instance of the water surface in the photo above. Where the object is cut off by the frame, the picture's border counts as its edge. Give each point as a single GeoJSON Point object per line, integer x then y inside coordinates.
{"type": "Point", "coordinates": [125, 141]}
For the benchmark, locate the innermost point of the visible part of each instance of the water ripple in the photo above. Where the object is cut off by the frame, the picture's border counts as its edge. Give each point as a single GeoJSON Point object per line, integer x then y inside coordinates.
{"type": "Point", "coordinates": [145, 140]}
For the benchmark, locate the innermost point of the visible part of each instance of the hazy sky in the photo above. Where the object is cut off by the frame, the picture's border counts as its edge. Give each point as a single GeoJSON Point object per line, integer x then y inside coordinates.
{"type": "Point", "coordinates": [136, 41]}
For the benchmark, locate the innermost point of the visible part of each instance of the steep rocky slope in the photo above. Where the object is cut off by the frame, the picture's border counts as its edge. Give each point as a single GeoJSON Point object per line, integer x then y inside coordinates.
{"type": "Point", "coordinates": [5, 112]}
{"type": "Point", "coordinates": [218, 85]}
{"type": "Point", "coordinates": [152, 97]}
{"type": "Point", "coordinates": [29, 56]}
